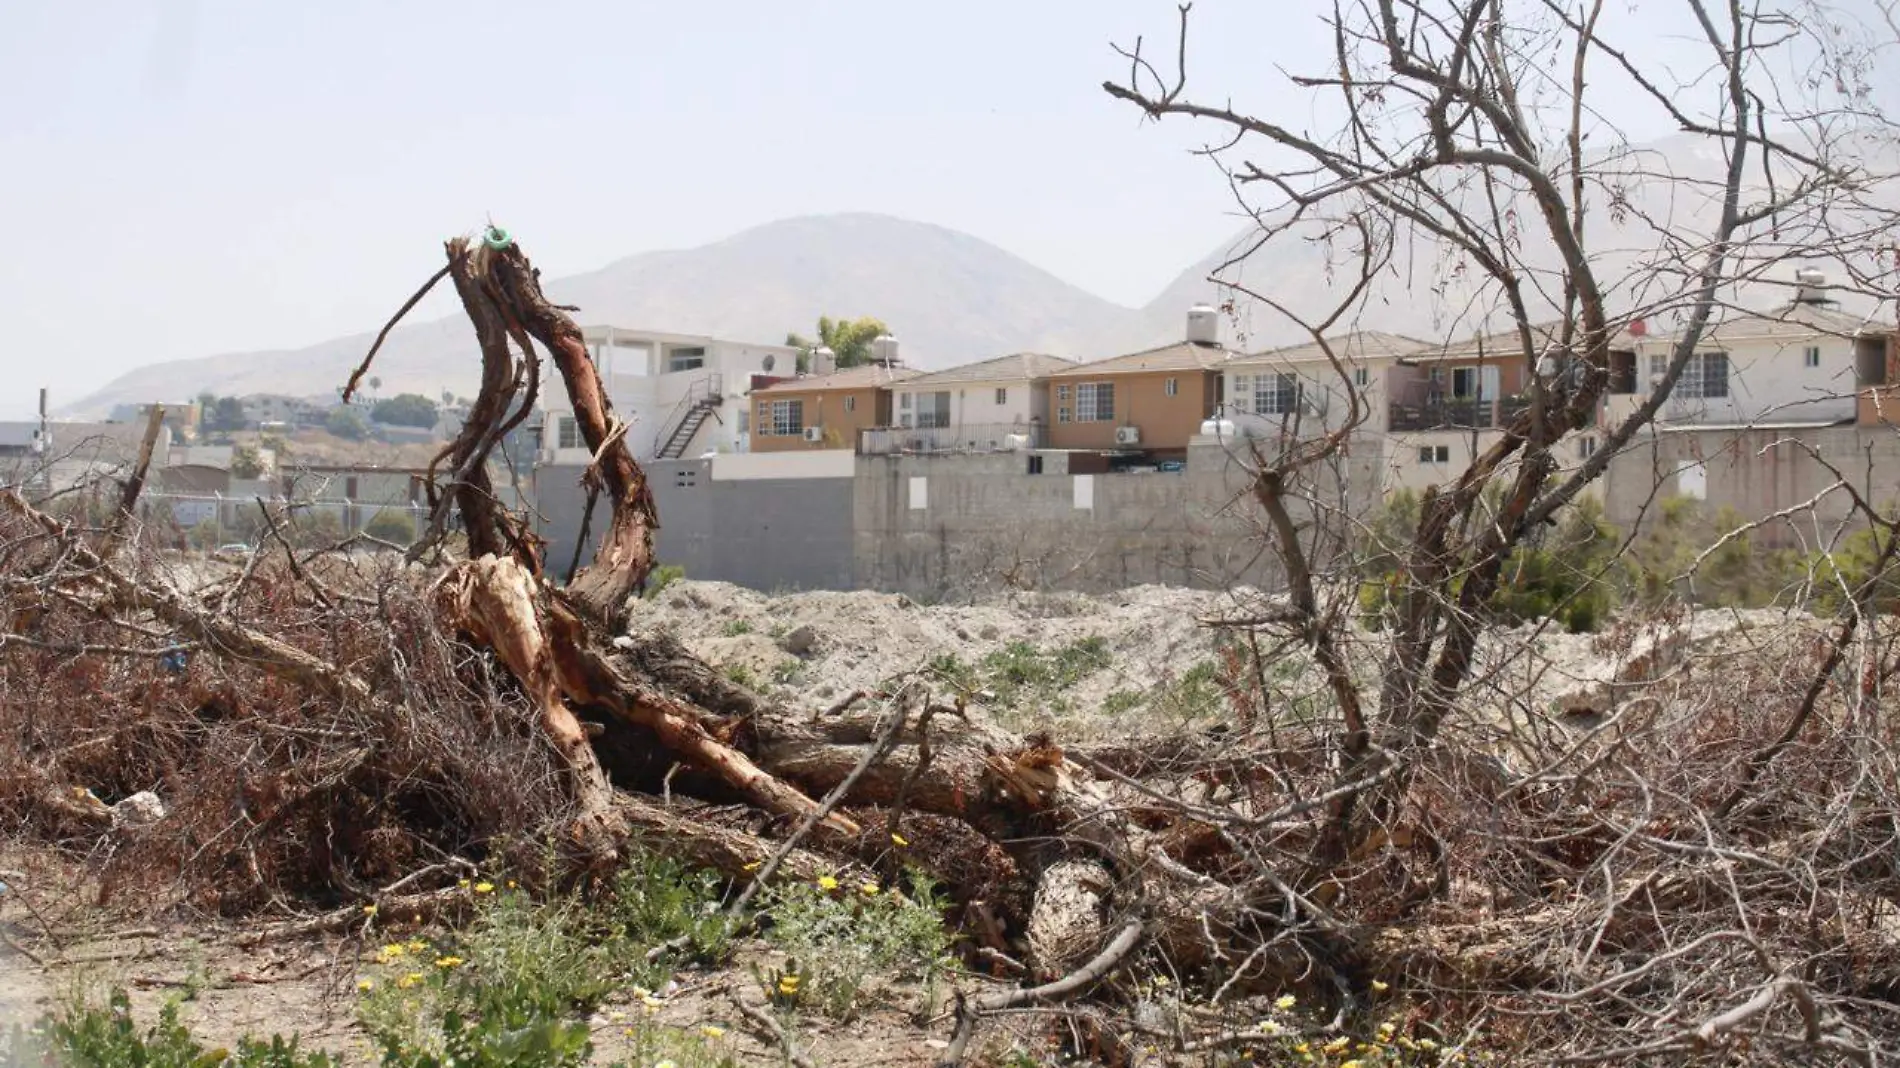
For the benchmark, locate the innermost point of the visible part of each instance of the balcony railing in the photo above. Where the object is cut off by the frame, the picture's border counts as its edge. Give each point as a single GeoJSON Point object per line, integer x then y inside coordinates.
{"type": "Point", "coordinates": [970, 437]}
{"type": "Point", "coordinates": [1455, 414]}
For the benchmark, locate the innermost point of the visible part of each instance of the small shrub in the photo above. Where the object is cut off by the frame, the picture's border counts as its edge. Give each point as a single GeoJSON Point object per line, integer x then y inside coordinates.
{"type": "Point", "coordinates": [92, 1036]}
{"type": "Point", "coordinates": [788, 672]}
{"type": "Point", "coordinates": [838, 936]}
{"type": "Point", "coordinates": [656, 900]}
{"type": "Point", "coordinates": [661, 577]}
{"type": "Point", "coordinates": [735, 628]}
{"type": "Point", "coordinates": [741, 675]}
{"type": "Point", "coordinates": [392, 526]}
{"type": "Point", "coordinates": [1122, 702]}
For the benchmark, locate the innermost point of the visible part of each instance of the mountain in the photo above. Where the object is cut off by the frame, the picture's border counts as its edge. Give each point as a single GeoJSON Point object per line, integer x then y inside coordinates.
{"type": "Point", "coordinates": [949, 297]}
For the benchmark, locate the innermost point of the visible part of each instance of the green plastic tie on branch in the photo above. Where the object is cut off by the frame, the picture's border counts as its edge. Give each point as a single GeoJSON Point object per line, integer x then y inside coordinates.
{"type": "Point", "coordinates": [497, 238]}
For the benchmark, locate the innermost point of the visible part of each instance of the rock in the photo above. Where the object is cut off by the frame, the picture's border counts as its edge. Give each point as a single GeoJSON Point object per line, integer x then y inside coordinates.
{"type": "Point", "coordinates": [140, 810]}
{"type": "Point", "coordinates": [801, 641]}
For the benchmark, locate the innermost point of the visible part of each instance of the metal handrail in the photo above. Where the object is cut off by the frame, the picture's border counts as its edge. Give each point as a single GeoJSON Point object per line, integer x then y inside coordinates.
{"type": "Point", "coordinates": [707, 390]}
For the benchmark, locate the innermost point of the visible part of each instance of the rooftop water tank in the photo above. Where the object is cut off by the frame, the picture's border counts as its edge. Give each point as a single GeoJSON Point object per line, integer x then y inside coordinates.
{"type": "Point", "coordinates": [1203, 325]}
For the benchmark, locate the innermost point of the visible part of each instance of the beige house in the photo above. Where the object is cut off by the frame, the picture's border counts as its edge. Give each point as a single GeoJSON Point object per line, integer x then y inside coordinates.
{"type": "Point", "coordinates": [994, 404]}
{"type": "Point", "coordinates": [1152, 402]}
{"type": "Point", "coordinates": [824, 411]}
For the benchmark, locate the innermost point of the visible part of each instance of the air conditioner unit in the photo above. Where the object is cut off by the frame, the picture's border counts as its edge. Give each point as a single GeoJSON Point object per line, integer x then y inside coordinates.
{"type": "Point", "coordinates": [814, 433]}
{"type": "Point", "coordinates": [1127, 435]}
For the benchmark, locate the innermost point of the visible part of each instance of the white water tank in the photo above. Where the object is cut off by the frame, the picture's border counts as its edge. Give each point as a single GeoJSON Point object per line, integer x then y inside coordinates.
{"type": "Point", "coordinates": [884, 350]}
{"type": "Point", "coordinates": [1810, 286]}
{"type": "Point", "coordinates": [1218, 427]}
{"type": "Point", "coordinates": [823, 361]}
{"type": "Point", "coordinates": [1203, 325]}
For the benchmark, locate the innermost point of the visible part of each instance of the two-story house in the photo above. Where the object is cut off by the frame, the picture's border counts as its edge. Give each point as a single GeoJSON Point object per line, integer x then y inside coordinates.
{"type": "Point", "coordinates": [993, 404]}
{"type": "Point", "coordinates": [1150, 402]}
{"type": "Point", "coordinates": [683, 394]}
{"type": "Point", "coordinates": [1299, 390]}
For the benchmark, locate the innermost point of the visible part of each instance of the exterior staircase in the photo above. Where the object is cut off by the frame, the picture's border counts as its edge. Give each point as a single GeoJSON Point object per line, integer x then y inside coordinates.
{"type": "Point", "coordinates": [698, 405]}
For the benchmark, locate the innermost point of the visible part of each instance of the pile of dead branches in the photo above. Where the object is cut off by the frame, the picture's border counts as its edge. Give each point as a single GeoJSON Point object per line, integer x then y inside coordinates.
{"type": "Point", "coordinates": [1715, 868]}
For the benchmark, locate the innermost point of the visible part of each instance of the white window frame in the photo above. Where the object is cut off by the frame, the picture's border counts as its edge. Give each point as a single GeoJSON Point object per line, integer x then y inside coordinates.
{"type": "Point", "coordinates": [1362, 377]}
{"type": "Point", "coordinates": [903, 402]}
{"type": "Point", "coordinates": [567, 433]}
{"type": "Point", "coordinates": [1002, 395]}
{"type": "Point", "coordinates": [1434, 454]}
{"type": "Point", "coordinates": [851, 404]}
{"type": "Point", "coordinates": [1062, 393]}
{"type": "Point", "coordinates": [1089, 402]}
{"type": "Point", "coordinates": [788, 418]}
{"type": "Point", "coordinates": [1701, 379]}
{"type": "Point", "coordinates": [1587, 446]}
{"type": "Point", "coordinates": [1062, 414]}
{"type": "Point", "coordinates": [933, 410]}
{"type": "Point", "coordinates": [1275, 394]}
{"type": "Point", "coordinates": [1172, 387]}
{"type": "Point", "coordinates": [1811, 356]}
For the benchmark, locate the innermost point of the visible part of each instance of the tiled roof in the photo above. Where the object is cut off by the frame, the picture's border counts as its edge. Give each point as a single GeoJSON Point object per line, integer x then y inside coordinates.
{"type": "Point", "coordinates": [1794, 322]}
{"type": "Point", "coordinates": [863, 376]}
{"type": "Point", "coordinates": [1016, 367]}
{"type": "Point", "coordinates": [1363, 345]}
{"type": "Point", "coordinates": [1180, 356]}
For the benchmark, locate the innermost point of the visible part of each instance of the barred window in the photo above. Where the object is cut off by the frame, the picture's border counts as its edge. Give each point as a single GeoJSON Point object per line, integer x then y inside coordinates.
{"type": "Point", "coordinates": [788, 418]}
{"type": "Point", "coordinates": [1095, 402]}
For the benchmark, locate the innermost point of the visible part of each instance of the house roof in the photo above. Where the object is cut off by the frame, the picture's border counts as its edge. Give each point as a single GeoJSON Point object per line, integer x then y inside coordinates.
{"type": "Point", "coordinates": [1793, 322]}
{"type": "Point", "coordinates": [1361, 345]}
{"type": "Point", "coordinates": [1180, 356]}
{"type": "Point", "coordinates": [1016, 367]}
{"type": "Point", "coordinates": [863, 376]}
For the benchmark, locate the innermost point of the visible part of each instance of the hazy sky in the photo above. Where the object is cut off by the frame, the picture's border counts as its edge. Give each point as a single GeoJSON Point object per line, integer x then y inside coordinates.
{"type": "Point", "coordinates": [184, 177]}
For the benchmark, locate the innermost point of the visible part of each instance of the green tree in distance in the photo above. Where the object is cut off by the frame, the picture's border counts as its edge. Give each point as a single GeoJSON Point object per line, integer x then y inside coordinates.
{"type": "Point", "coordinates": [346, 422]}
{"type": "Point", "coordinates": [405, 409]}
{"type": "Point", "coordinates": [849, 339]}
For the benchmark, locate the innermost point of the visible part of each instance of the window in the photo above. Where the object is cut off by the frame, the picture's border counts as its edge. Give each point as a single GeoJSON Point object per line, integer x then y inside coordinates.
{"type": "Point", "coordinates": [1361, 376]}
{"type": "Point", "coordinates": [1434, 454]}
{"type": "Point", "coordinates": [933, 410]}
{"type": "Point", "coordinates": [1062, 414]}
{"type": "Point", "coordinates": [1095, 402]}
{"type": "Point", "coordinates": [1586, 447]}
{"type": "Point", "coordinates": [686, 359]}
{"type": "Point", "coordinates": [745, 423]}
{"type": "Point", "coordinates": [1035, 465]}
{"type": "Point", "coordinates": [1172, 387]}
{"type": "Point", "coordinates": [1811, 356]}
{"type": "Point", "coordinates": [851, 404]}
{"type": "Point", "coordinates": [1002, 395]}
{"type": "Point", "coordinates": [1269, 394]}
{"type": "Point", "coordinates": [567, 433]}
{"type": "Point", "coordinates": [1658, 364]}
{"type": "Point", "coordinates": [1475, 383]}
{"type": "Point", "coordinates": [1704, 376]}
{"type": "Point", "coordinates": [903, 401]}
{"type": "Point", "coordinates": [788, 418]}
{"type": "Point", "coordinates": [1436, 374]}
{"type": "Point", "coordinates": [1062, 393]}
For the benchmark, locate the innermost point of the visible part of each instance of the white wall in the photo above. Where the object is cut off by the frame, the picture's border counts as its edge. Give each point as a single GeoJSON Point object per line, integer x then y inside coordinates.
{"type": "Point", "coordinates": [1328, 404]}
{"type": "Point", "coordinates": [1769, 382]}
{"type": "Point", "coordinates": [643, 391]}
{"type": "Point", "coordinates": [976, 420]}
{"type": "Point", "coordinates": [814, 463]}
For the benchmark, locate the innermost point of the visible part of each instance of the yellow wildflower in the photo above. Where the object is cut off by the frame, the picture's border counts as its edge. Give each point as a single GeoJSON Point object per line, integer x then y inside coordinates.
{"type": "Point", "coordinates": [366, 985]}
{"type": "Point", "coordinates": [1354, 1063]}
{"type": "Point", "coordinates": [448, 962]}
{"type": "Point", "coordinates": [1427, 1044]}
{"type": "Point", "coordinates": [511, 884]}
{"type": "Point", "coordinates": [463, 883]}
{"type": "Point", "coordinates": [899, 840]}
{"type": "Point", "coordinates": [788, 985]}
{"type": "Point", "coordinates": [409, 980]}
{"type": "Point", "coordinates": [1303, 1048]}
{"type": "Point", "coordinates": [392, 951]}
{"type": "Point", "coordinates": [1380, 986]}
{"type": "Point", "coordinates": [826, 882]}
{"type": "Point", "coordinates": [870, 889]}
{"type": "Point", "coordinates": [369, 910]}
{"type": "Point", "coordinates": [417, 945]}
{"type": "Point", "coordinates": [1387, 1027]}
{"type": "Point", "coordinates": [1284, 1002]}
{"type": "Point", "coordinates": [1161, 981]}
{"type": "Point", "coordinates": [754, 866]}
{"type": "Point", "coordinates": [1337, 1045]}
{"type": "Point", "coordinates": [664, 1064]}
{"type": "Point", "coordinates": [712, 1031]}
{"type": "Point", "coordinates": [1270, 1027]}
{"type": "Point", "coordinates": [651, 1002]}
{"type": "Point", "coordinates": [484, 888]}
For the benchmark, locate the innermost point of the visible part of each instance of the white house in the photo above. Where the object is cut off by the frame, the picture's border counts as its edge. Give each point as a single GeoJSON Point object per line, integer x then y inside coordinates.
{"type": "Point", "coordinates": [682, 395]}
{"type": "Point", "coordinates": [1802, 363]}
{"type": "Point", "coordinates": [987, 405]}
{"type": "Point", "coordinates": [1298, 390]}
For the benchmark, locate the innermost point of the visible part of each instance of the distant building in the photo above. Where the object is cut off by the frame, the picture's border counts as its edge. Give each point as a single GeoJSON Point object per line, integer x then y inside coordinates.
{"type": "Point", "coordinates": [994, 404]}
{"type": "Point", "coordinates": [825, 411]}
{"type": "Point", "coordinates": [1150, 403]}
